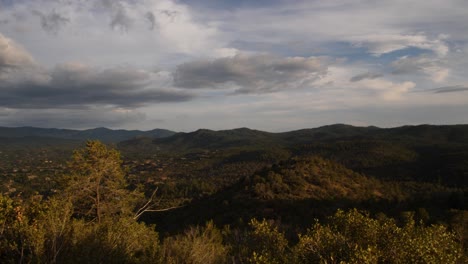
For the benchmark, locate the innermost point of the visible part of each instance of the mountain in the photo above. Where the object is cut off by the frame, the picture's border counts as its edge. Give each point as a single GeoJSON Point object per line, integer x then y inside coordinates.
{"type": "Point", "coordinates": [424, 152]}
{"type": "Point", "coordinates": [328, 133]}
{"type": "Point", "coordinates": [209, 139]}
{"type": "Point", "coordinates": [103, 134]}
{"type": "Point", "coordinates": [244, 137]}
{"type": "Point", "coordinates": [205, 139]}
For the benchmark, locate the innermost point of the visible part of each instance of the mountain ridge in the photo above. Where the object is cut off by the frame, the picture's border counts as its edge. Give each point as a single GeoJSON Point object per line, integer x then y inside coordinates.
{"type": "Point", "coordinates": [206, 138]}
{"type": "Point", "coordinates": [241, 137]}
{"type": "Point", "coordinates": [100, 133]}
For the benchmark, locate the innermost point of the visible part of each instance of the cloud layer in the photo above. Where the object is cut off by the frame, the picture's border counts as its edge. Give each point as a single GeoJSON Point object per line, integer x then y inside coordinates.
{"type": "Point", "coordinates": [273, 65]}
{"type": "Point", "coordinates": [251, 73]}
{"type": "Point", "coordinates": [24, 84]}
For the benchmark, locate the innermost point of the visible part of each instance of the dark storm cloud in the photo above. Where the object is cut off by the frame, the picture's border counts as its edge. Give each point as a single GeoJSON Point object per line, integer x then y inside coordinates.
{"type": "Point", "coordinates": [81, 86]}
{"type": "Point", "coordinates": [52, 22]}
{"type": "Point", "coordinates": [24, 84]}
{"type": "Point", "coordinates": [367, 75]}
{"type": "Point", "coordinates": [451, 89]}
{"type": "Point", "coordinates": [250, 73]}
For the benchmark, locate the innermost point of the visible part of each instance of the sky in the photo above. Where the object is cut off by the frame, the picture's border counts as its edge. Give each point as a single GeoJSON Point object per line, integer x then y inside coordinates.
{"type": "Point", "coordinates": [273, 65]}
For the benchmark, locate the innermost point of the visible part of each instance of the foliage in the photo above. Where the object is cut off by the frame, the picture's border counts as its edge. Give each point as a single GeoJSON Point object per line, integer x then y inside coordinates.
{"type": "Point", "coordinates": [121, 240]}
{"type": "Point", "coordinates": [45, 232]}
{"type": "Point", "coordinates": [198, 245]}
{"type": "Point", "coordinates": [12, 224]}
{"type": "Point", "coordinates": [314, 178]}
{"type": "Point", "coordinates": [266, 243]}
{"type": "Point", "coordinates": [91, 220]}
{"type": "Point", "coordinates": [354, 237]}
{"type": "Point", "coordinates": [97, 186]}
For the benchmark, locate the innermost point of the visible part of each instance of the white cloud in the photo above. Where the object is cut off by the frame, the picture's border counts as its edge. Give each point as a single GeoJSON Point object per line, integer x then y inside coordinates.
{"type": "Point", "coordinates": [13, 56]}
{"type": "Point", "coordinates": [388, 90]}
{"type": "Point", "coordinates": [180, 31]}
{"type": "Point", "coordinates": [344, 87]}
{"type": "Point", "coordinates": [379, 44]}
{"type": "Point", "coordinates": [110, 32]}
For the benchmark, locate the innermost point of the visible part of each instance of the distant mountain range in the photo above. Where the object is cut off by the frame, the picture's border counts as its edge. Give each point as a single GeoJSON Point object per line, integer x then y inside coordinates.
{"type": "Point", "coordinates": [245, 137]}
{"type": "Point", "coordinates": [210, 139]}
{"type": "Point", "coordinates": [422, 152]}
{"type": "Point", "coordinates": [103, 134]}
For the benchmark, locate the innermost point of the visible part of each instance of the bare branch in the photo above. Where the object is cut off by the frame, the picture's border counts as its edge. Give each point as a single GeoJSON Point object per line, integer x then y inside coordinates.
{"type": "Point", "coordinates": [146, 206]}
{"type": "Point", "coordinates": [165, 209]}
{"type": "Point", "coordinates": [157, 210]}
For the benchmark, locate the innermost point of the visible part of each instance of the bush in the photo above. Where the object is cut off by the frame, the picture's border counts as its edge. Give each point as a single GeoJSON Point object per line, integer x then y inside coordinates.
{"type": "Point", "coordinates": [120, 241]}
{"type": "Point", "coordinates": [354, 237]}
{"type": "Point", "coordinates": [199, 245]}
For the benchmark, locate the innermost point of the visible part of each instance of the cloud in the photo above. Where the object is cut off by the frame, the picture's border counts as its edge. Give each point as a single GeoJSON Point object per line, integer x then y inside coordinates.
{"type": "Point", "coordinates": [93, 31]}
{"type": "Point", "coordinates": [25, 84]}
{"type": "Point", "coordinates": [450, 89]}
{"type": "Point", "coordinates": [367, 75]}
{"type": "Point", "coordinates": [433, 67]}
{"type": "Point", "coordinates": [120, 20]}
{"type": "Point", "coordinates": [170, 14]}
{"type": "Point", "coordinates": [200, 43]}
{"type": "Point", "coordinates": [251, 73]}
{"type": "Point", "coordinates": [12, 56]}
{"type": "Point", "coordinates": [389, 90]}
{"type": "Point", "coordinates": [151, 20]}
{"type": "Point", "coordinates": [4, 112]}
{"type": "Point", "coordinates": [52, 22]}
{"type": "Point", "coordinates": [77, 85]}
{"type": "Point", "coordinates": [181, 32]}
{"type": "Point", "coordinates": [337, 89]}
{"type": "Point", "coordinates": [385, 43]}
{"type": "Point", "coordinates": [119, 17]}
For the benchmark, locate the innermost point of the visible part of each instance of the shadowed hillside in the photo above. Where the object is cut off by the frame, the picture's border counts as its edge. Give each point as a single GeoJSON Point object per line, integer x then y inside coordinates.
{"type": "Point", "coordinates": [301, 189]}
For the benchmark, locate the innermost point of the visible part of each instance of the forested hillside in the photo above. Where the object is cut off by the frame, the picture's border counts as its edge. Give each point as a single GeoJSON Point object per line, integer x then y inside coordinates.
{"type": "Point", "coordinates": [327, 195]}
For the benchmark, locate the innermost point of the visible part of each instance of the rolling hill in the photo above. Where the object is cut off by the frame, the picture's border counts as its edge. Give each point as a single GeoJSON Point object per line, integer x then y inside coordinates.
{"type": "Point", "coordinates": [424, 153]}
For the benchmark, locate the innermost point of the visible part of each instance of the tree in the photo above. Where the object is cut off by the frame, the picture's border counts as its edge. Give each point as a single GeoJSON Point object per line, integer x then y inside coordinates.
{"type": "Point", "coordinates": [97, 186]}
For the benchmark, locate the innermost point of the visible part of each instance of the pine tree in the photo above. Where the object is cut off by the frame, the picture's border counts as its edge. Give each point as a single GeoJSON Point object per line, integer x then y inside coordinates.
{"type": "Point", "coordinates": [97, 186]}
